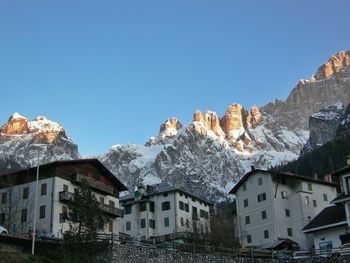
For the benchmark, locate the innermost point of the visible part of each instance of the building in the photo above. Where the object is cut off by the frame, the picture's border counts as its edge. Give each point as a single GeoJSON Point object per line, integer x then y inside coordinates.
{"type": "Point", "coordinates": [274, 206]}
{"type": "Point", "coordinates": [330, 228]}
{"type": "Point", "coordinates": [164, 212]}
{"type": "Point", "coordinates": [57, 183]}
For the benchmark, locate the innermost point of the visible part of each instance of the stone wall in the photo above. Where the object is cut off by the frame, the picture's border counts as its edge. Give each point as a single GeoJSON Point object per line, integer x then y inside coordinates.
{"type": "Point", "coordinates": [135, 254]}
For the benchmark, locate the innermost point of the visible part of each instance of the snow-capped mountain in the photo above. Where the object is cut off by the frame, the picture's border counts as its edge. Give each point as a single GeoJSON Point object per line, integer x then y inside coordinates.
{"type": "Point", "coordinates": [210, 154]}
{"type": "Point", "coordinates": [21, 141]}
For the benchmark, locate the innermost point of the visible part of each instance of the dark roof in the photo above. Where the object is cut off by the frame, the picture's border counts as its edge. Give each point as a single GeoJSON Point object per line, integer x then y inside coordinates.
{"type": "Point", "coordinates": [326, 218]}
{"type": "Point", "coordinates": [341, 171]}
{"type": "Point", "coordinates": [162, 188]}
{"type": "Point", "coordinates": [340, 198]}
{"type": "Point", "coordinates": [286, 175]}
{"type": "Point", "coordinates": [93, 161]}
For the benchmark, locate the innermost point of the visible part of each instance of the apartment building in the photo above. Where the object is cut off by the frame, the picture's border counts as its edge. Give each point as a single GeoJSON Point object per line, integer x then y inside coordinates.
{"type": "Point", "coordinates": [164, 212]}
{"type": "Point", "coordinates": [273, 206]}
{"type": "Point", "coordinates": [57, 183]}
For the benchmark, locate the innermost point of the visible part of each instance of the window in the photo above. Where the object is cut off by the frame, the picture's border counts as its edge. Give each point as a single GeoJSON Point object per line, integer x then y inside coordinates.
{"type": "Point", "coordinates": [166, 205]}
{"type": "Point", "coordinates": [151, 207]}
{"type": "Point", "coordinates": [102, 200]}
{"type": "Point", "coordinates": [244, 186]}
{"type": "Point", "coordinates": [314, 203]}
{"type": "Point", "coordinates": [193, 200]}
{"type": "Point", "coordinates": [283, 194]}
{"type": "Point", "coordinates": [247, 220]}
{"type": "Point", "coordinates": [128, 226]}
{"type": "Point", "coordinates": [24, 215]}
{"type": "Point", "coordinates": [42, 212]}
{"type": "Point", "coordinates": [260, 181]}
{"type": "Point", "coordinates": [182, 221]}
{"type": "Point", "coordinates": [143, 222]}
{"type": "Point", "coordinates": [194, 213]}
{"type": "Point", "coordinates": [4, 198]}
{"type": "Point", "coordinates": [187, 208]}
{"type": "Point", "coordinates": [65, 188]}
{"type": "Point", "coordinates": [187, 223]}
{"type": "Point", "coordinates": [325, 197]}
{"type": "Point", "coordinates": [64, 210]}
{"type": "Point", "coordinates": [152, 223]}
{"type": "Point", "coordinates": [142, 207]}
{"type": "Point", "coordinates": [43, 189]}
{"type": "Point", "coordinates": [289, 231]}
{"type": "Point", "coordinates": [181, 205]}
{"type": "Point", "coordinates": [283, 181]}
{"type": "Point", "coordinates": [110, 226]}
{"type": "Point", "coordinates": [111, 203]}
{"type": "Point", "coordinates": [203, 214]}
{"type": "Point", "coordinates": [166, 221]}
{"type": "Point", "coordinates": [261, 197]}
{"type": "Point", "coordinates": [165, 194]}
{"type": "Point", "coordinates": [309, 186]}
{"type": "Point", "coordinates": [266, 234]}
{"type": "Point", "coordinates": [127, 209]}
{"type": "Point", "coordinates": [2, 218]}
{"type": "Point", "coordinates": [180, 194]}
{"type": "Point", "coordinates": [287, 212]}
{"type": "Point", "coordinates": [249, 239]}
{"type": "Point", "coordinates": [245, 202]}
{"type": "Point", "coordinates": [263, 214]}
{"type": "Point", "coordinates": [25, 192]}
{"type": "Point", "coordinates": [307, 200]}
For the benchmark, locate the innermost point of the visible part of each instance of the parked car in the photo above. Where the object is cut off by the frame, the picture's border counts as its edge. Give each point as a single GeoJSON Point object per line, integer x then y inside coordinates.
{"type": "Point", "coordinates": [3, 230]}
{"type": "Point", "coordinates": [42, 234]}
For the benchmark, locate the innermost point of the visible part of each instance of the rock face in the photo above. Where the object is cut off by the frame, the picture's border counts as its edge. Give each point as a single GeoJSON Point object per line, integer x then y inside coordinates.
{"type": "Point", "coordinates": [22, 140]}
{"type": "Point", "coordinates": [324, 126]}
{"type": "Point", "coordinates": [212, 153]}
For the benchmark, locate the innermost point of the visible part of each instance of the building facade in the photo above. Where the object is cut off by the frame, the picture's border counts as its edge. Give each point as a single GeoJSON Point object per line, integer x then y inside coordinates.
{"type": "Point", "coordinates": [274, 206]}
{"type": "Point", "coordinates": [331, 227]}
{"type": "Point", "coordinates": [56, 186]}
{"type": "Point", "coordinates": [164, 212]}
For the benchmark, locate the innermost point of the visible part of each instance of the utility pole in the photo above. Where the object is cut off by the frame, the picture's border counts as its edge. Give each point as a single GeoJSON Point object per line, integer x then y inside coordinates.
{"type": "Point", "coordinates": [35, 205]}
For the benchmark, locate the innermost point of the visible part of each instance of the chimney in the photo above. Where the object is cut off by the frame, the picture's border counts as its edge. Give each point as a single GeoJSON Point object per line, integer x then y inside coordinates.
{"type": "Point", "coordinates": [347, 159]}
{"type": "Point", "coordinates": [252, 168]}
{"type": "Point", "coordinates": [327, 178]}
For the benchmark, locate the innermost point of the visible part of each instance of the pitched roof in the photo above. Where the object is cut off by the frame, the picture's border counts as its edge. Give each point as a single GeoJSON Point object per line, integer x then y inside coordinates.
{"type": "Point", "coordinates": [341, 171]}
{"type": "Point", "coordinates": [93, 161]}
{"type": "Point", "coordinates": [341, 198]}
{"type": "Point", "coordinates": [285, 175]}
{"type": "Point", "coordinates": [161, 188]}
{"type": "Point", "coordinates": [329, 217]}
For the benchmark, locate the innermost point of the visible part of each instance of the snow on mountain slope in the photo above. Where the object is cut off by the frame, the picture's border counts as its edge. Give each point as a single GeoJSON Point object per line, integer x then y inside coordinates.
{"type": "Point", "coordinates": [21, 141]}
{"type": "Point", "coordinates": [210, 154]}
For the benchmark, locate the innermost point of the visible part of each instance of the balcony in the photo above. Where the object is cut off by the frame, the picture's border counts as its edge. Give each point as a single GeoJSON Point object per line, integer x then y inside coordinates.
{"type": "Point", "coordinates": [97, 185]}
{"type": "Point", "coordinates": [111, 210]}
{"type": "Point", "coordinates": [65, 196]}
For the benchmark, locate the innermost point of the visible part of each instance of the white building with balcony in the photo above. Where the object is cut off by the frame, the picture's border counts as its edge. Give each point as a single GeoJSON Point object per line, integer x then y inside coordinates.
{"type": "Point", "coordinates": [164, 212]}
{"type": "Point", "coordinates": [272, 207]}
{"type": "Point", "coordinates": [57, 183]}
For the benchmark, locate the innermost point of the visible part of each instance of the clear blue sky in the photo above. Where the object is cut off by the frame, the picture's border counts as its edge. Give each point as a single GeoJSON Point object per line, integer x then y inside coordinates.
{"type": "Point", "coordinates": [112, 71]}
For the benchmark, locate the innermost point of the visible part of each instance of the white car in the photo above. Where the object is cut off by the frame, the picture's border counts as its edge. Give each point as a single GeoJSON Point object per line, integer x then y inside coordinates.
{"type": "Point", "coordinates": [3, 230]}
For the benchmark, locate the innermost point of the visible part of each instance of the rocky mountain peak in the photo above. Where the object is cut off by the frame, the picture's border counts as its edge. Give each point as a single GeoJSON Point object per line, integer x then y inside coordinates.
{"type": "Point", "coordinates": [209, 120]}
{"type": "Point", "coordinates": [16, 125]}
{"type": "Point", "coordinates": [20, 140]}
{"type": "Point", "coordinates": [232, 121]}
{"type": "Point", "coordinates": [170, 127]}
{"type": "Point", "coordinates": [254, 117]}
{"type": "Point", "coordinates": [335, 64]}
